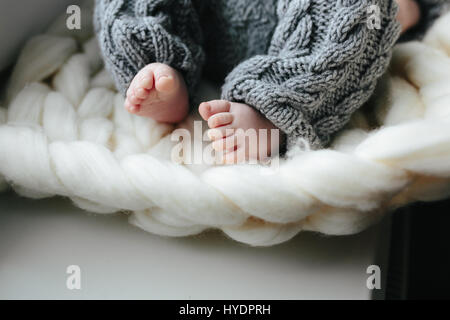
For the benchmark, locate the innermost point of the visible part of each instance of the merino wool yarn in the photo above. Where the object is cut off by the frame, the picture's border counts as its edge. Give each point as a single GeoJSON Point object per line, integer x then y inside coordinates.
{"type": "Point", "coordinates": [64, 132]}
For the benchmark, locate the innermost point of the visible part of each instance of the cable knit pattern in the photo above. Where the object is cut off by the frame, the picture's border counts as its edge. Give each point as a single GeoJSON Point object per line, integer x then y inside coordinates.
{"type": "Point", "coordinates": [322, 65]}
{"type": "Point", "coordinates": [134, 33]}
{"type": "Point", "coordinates": [306, 65]}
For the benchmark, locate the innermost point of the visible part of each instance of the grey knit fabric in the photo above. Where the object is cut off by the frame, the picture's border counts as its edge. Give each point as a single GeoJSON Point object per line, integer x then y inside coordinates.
{"type": "Point", "coordinates": [322, 64]}
{"type": "Point", "coordinates": [134, 33]}
{"type": "Point", "coordinates": [306, 65]}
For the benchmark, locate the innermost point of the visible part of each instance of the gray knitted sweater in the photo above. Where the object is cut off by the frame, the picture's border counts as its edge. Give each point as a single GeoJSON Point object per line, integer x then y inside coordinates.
{"type": "Point", "coordinates": [306, 65]}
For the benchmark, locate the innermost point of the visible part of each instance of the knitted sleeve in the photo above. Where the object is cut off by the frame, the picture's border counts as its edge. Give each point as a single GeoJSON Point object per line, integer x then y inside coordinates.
{"type": "Point", "coordinates": [323, 63]}
{"type": "Point", "coordinates": [134, 33]}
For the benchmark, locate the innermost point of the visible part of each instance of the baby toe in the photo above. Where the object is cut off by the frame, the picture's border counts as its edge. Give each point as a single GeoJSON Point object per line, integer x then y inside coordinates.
{"type": "Point", "coordinates": [205, 110]}
{"type": "Point", "coordinates": [210, 108]}
{"type": "Point", "coordinates": [235, 157]}
{"type": "Point", "coordinates": [134, 99]}
{"type": "Point", "coordinates": [228, 143]}
{"type": "Point", "coordinates": [131, 107]}
{"type": "Point", "coordinates": [146, 81]}
{"type": "Point", "coordinates": [165, 83]}
{"type": "Point", "coordinates": [220, 132]}
{"type": "Point", "coordinates": [220, 119]}
{"type": "Point", "coordinates": [141, 93]}
{"type": "Point", "coordinates": [166, 78]}
{"type": "Point", "coordinates": [130, 91]}
{"type": "Point", "coordinates": [218, 106]}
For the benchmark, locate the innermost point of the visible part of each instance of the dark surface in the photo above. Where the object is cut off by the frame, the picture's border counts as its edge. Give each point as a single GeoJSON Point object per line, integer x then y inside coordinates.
{"type": "Point", "coordinates": [429, 275]}
{"type": "Point", "coordinates": [419, 265]}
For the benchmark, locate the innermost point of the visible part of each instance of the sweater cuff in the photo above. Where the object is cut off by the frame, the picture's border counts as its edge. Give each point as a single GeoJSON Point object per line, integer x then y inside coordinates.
{"type": "Point", "coordinates": [309, 85]}
{"type": "Point", "coordinates": [135, 33]}
{"type": "Point", "coordinates": [276, 103]}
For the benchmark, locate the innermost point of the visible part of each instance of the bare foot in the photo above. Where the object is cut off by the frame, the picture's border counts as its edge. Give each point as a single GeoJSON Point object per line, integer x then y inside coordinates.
{"type": "Point", "coordinates": [158, 91]}
{"type": "Point", "coordinates": [240, 131]}
{"type": "Point", "coordinates": [408, 14]}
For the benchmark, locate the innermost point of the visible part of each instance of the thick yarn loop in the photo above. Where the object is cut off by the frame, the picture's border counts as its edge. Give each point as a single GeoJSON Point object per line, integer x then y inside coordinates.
{"type": "Point", "coordinates": [65, 132]}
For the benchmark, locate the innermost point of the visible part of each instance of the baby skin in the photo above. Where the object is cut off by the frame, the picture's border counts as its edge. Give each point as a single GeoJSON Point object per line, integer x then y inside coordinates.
{"type": "Point", "coordinates": [159, 92]}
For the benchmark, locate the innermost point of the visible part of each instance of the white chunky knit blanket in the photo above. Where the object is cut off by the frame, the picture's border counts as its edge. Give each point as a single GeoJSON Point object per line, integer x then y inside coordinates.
{"type": "Point", "coordinates": [64, 131]}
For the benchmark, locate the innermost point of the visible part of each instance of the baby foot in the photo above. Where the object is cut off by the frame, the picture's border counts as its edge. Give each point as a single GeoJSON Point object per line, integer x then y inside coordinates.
{"type": "Point", "coordinates": [158, 91]}
{"type": "Point", "coordinates": [239, 131]}
{"type": "Point", "coordinates": [408, 14]}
